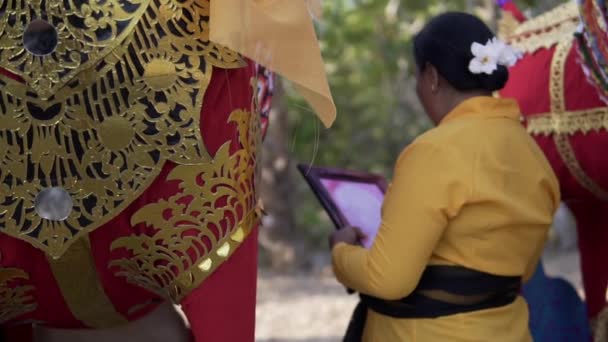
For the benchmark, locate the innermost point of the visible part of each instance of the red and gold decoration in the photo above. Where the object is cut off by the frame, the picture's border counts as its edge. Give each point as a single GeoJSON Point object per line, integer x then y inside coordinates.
{"type": "Point", "coordinates": [129, 142]}
{"type": "Point", "coordinates": [565, 111]}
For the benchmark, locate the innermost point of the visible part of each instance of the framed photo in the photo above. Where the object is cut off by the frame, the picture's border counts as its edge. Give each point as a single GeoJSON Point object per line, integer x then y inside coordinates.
{"type": "Point", "coordinates": [349, 197]}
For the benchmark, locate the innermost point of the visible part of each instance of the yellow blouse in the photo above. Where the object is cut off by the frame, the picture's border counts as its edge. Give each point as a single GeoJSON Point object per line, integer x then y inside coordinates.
{"type": "Point", "coordinates": [476, 191]}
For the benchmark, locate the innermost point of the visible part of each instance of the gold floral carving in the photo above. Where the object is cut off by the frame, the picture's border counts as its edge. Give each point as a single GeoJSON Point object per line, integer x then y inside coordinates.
{"type": "Point", "coordinates": [200, 227]}
{"type": "Point", "coordinates": [15, 299]}
{"type": "Point", "coordinates": [558, 107]}
{"type": "Point", "coordinates": [547, 29]}
{"type": "Point", "coordinates": [100, 116]}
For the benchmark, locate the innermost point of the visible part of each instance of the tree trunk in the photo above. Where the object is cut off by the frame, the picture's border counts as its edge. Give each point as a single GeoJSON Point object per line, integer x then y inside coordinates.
{"type": "Point", "coordinates": [277, 187]}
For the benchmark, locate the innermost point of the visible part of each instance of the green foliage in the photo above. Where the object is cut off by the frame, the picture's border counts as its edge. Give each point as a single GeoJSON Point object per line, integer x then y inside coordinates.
{"type": "Point", "coordinates": [367, 48]}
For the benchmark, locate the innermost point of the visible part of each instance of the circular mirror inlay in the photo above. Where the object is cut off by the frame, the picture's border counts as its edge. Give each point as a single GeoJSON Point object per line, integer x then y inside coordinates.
{"type": "Point", "coordinates": [40, 38]}
{"type": "Point", "coordinates": [54, 204]}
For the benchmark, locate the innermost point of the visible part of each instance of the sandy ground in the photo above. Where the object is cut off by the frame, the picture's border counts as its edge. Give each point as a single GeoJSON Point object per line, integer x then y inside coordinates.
{"type": "Point", "coordinates": [317, 309]}
{"type": "Point", "coordinates": [301, 309]}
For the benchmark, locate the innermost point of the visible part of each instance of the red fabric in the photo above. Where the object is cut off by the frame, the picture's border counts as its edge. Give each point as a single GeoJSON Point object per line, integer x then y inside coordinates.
{"type": "Point", "coordinates": [532, 93]}
{"type": "Point", "coordinates": [591, 214]}
{"type": "Point", "coordinates": [580, 92]}
{"type": "Point", "coordinates": [10, 74]}
{"type": "Point", "coordinates": [533, 96]}
{"type": "Point", "coordinates": [222, 309]}
{"type": "Point", "coordinates": [232, 284]}
{"type": "Point", "coordinates": [18, 333]}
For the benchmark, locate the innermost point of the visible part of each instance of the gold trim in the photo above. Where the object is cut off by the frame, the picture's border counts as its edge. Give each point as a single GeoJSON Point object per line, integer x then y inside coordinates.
{"type": "Point", "coordinates": [568, 155]}
{"type": "Point", "coordinates": [557, 77]}
{"type": "Point", "coordinates": [547, 29]}
{"type": "Point", "coordinates": [77, 278]}
{"type": "Point", "coordinates": [569, 122]}
{"type": "Point", "coordinates": [558, 106]}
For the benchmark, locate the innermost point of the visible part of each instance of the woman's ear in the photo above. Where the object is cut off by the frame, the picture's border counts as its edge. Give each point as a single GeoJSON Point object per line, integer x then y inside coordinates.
{"type": "Point", "coordinates": [433, 75]}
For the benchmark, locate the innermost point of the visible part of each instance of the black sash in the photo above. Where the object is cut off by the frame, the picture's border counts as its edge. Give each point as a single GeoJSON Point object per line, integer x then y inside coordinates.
{"type": "Point", "coordinates": [442, 291]}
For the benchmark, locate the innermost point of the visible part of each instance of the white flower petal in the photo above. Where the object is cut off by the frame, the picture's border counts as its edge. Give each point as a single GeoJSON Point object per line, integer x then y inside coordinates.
{"type": "Point", "coordinates": [489, 68]}
{"type": "Point", "coordinates": [475, 66]}
{"type": "Point", "coordinates": [509, 56]}
{"type": "Point", "coordinates": [477, 49]}
{"type": "Point", "coordinates": [508, 60]}
{"type": "Point", "coordinates": [489, 56]}
{"type": "Point", "coordinates": [495, 49]}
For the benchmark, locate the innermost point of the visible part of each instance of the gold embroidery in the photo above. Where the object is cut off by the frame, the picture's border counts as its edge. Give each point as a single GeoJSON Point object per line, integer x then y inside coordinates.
{"type": "Point", "coordinates": [199, 228]}
{"type": "Point", "coordinates": [16, 300]}
{"type": "Point", "coordinates": [102, 114]}
{"type": "Point", "coordinates": [76, 276]}
{"type": "Point", "coordinates": [569, 157]}
{"type": "Point", "coordinates": [558, 70]}
{"type": "Point", "coordinates": [570, 122]}
{"type": "Point", "coordinates": [558, 106]}
{"type": "Point", "coordinates": [547, 29]}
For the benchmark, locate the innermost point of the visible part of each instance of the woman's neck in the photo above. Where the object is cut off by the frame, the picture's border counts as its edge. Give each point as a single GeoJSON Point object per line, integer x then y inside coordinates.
{"type": "Point", "coordinates": [455, 98]}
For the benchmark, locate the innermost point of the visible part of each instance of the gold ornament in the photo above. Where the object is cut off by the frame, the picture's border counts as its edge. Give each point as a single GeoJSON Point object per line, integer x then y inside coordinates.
{"type": "Point", "coordinates": [120, 95]}
{"type": "Point", "coordinates": [200, 227]}
{"type": "Point", "coordinates": [545, 30]}
{"type": "Point", "coordinates": [15, 300]}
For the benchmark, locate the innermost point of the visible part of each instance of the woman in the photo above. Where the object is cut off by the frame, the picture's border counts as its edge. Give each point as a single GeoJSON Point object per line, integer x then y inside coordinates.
{"type": "Point", "coordinates": [467, 214]}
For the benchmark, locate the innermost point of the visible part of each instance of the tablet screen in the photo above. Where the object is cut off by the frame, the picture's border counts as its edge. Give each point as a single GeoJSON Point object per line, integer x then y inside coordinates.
{"type": "Point", "coordinates": [360, 203]}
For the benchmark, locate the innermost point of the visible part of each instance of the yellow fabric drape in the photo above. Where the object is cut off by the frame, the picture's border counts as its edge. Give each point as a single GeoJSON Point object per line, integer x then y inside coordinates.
{"type": "Point", "coordinates": [278, 34]}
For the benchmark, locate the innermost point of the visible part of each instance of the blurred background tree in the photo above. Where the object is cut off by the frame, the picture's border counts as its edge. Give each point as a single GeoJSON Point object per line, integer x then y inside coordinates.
{"type": "Point", "coordinates": [367, 48]}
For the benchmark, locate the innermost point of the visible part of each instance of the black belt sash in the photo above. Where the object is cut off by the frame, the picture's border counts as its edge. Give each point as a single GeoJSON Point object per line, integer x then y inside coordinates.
{"type": "Point", "coordinates": [442, 291]}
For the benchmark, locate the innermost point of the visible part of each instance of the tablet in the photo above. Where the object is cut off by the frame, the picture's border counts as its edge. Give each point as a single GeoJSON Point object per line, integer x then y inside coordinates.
{"type": "Point", "coordinates": [350, 197]}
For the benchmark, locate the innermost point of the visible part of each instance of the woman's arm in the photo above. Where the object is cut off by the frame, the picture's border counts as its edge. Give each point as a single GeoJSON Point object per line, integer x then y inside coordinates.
{"type": "Point", "coordinates": [430, 185]}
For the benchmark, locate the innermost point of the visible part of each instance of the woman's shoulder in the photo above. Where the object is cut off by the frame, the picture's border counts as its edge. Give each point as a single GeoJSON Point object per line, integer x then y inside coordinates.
{"type": "Point", "coordinates": [433, 145]}
{"type": "Point", "coordinates": [455, 138]}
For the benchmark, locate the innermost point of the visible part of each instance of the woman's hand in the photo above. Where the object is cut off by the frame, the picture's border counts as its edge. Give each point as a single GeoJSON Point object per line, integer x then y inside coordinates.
{"type": "Point", "coordinates": [348, 234]}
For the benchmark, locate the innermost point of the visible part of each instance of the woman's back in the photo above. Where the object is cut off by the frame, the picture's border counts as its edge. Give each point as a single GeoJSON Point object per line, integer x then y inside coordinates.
{"type": "Point", "coordinates": [514, 191]}
{"type": "Point", "coordinates": [498, 219]}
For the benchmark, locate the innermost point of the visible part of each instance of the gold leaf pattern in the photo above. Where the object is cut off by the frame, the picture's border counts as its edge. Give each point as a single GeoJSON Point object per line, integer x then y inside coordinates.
{"type": "Point", "coordinates": [104, 124]}
{"type": "Point", "coordinates": [200, 227]}
{"type": "Point", "coordinates": [15, 299]}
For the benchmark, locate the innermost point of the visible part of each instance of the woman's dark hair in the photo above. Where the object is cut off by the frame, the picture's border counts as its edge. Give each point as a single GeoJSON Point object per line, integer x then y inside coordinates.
{"type": "Point", "coordinates": [445, 42]}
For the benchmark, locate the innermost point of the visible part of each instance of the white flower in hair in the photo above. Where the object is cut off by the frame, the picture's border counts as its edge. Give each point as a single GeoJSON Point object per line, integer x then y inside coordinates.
{"type": "Point", "coordinates": [486, 58]}
{"type": "Point", "coordinates": [507, 56]}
